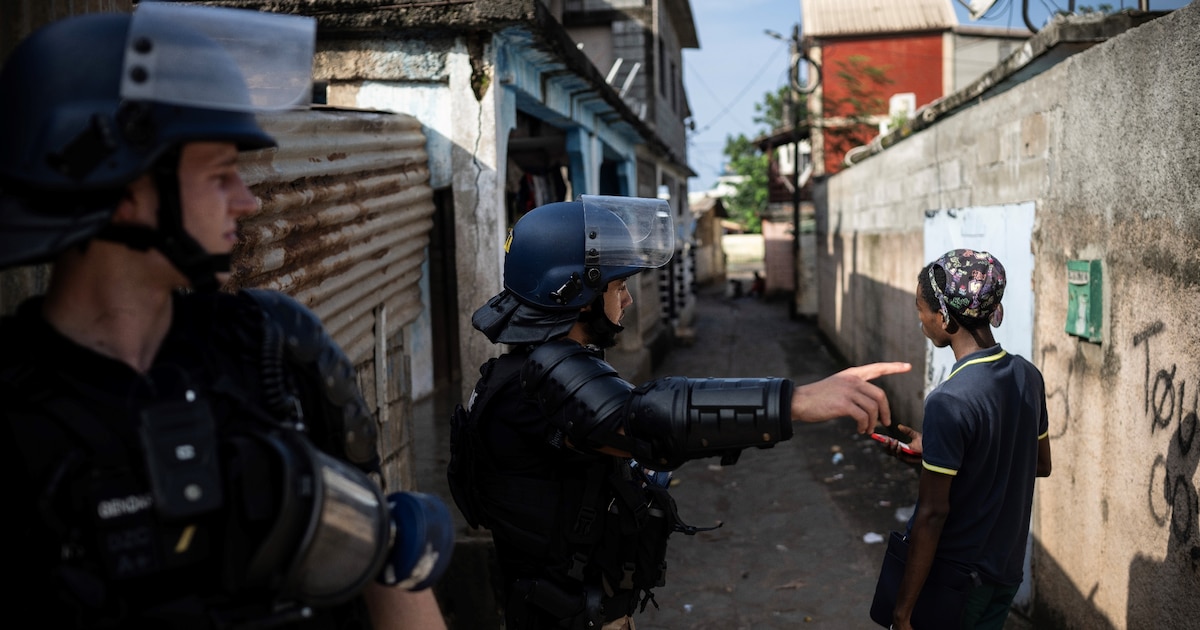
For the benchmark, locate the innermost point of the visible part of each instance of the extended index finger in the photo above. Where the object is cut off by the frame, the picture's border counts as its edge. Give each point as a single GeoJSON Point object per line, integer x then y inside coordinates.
{"type": "Point", "coordinates": [875, 370]}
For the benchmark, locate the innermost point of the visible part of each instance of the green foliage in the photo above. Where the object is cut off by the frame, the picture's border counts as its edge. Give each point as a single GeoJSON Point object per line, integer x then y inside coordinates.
{"type": "Point", "coordinates": [747, 161]}
{"type": "Point", "coordinates": [864, 87]}
{"type": "Point", "coordinates": [770, 113]}
{"type": "Point", "coordinates": [750, 201]}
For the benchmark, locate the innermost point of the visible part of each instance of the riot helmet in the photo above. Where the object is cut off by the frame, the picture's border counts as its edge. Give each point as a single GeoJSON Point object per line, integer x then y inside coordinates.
{"type": "Point", "coordinates": [79, 128]}
{"type": "Point", "coordinates": [561, 256]}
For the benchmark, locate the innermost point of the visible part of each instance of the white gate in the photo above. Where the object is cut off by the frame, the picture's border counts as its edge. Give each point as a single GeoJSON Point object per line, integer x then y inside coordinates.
{"type": "Point", "coordinates": [1006, 232]}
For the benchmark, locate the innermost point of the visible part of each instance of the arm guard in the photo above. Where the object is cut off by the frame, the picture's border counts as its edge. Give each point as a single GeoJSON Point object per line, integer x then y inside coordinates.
{"type": "Point", "coordinates": [337, 415]}
{"type": "Point", "coordinates": [676, 419]}
{"type": "Point", "coordinates": [666, 422]}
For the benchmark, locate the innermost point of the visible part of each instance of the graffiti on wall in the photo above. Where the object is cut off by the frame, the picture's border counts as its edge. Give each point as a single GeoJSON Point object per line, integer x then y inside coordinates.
{"type": "Point", "coordinates": [1061, 394]}
{"type": "Point", "coordinates": [1171, 397]}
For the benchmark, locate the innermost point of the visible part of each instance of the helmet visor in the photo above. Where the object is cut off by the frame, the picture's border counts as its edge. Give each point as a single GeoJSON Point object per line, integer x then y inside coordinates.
{"type": "Point", "coordinates": [218, 58]}
{"type": "Point", "coordinates": [627, 231]}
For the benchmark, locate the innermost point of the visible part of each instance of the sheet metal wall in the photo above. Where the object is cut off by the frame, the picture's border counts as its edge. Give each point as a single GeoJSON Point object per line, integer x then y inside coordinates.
{"type": "Point", "coordinates": [345, 220]}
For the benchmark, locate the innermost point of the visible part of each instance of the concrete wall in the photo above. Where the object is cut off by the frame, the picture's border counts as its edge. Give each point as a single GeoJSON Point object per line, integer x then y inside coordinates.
{"type": "Point", "coordinates": [710, 257]}
{"type": "Point", "coordinates": [743, 249]}
{"type": "Point", "coordinates": [1104, 145]}
{"type": "Point", "coordinates": [597, 43]}
{"type": "Point", "coordinates": [778, 257]}
{"type": "Point", "coordinates": [467, 130]}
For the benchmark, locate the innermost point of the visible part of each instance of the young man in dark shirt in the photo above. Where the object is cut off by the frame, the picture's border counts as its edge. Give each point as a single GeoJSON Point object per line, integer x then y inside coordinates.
{"type": "Point", "coordinates": [984, 442]}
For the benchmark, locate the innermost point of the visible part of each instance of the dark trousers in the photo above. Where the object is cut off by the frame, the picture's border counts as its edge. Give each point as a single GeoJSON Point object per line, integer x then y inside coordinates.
{"type": "Point", "coordinates": [987, 607]}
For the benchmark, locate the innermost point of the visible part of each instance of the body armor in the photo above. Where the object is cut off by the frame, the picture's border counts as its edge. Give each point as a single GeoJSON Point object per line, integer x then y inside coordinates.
{"type": "Point", "coordinates": [222, 510]}
{"type": "Point", "coordinates": [598, 524]}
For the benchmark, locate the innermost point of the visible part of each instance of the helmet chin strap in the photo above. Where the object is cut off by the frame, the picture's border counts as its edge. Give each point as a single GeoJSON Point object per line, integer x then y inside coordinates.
{"type": "Point", "coordinates": [601, 331]}
{"type": "Point", "coordinates": [181, 250]}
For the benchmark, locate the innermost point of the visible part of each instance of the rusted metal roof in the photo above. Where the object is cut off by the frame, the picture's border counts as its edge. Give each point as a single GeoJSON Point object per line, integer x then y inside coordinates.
{"type": "Point", "coordinates": [706, 204]}
{"type": "Point", "coordinates": [345, 220]}
{"type": "Point", "coordinates": [831, 18]}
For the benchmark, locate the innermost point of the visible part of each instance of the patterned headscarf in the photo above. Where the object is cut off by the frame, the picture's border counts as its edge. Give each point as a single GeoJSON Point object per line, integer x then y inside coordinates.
{"type": "Point", "coordinates": [974, 285]}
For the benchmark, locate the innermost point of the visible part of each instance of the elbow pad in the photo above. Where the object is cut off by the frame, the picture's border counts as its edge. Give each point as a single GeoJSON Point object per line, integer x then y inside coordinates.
{"type": "Point", "coordinates": [676, 419]}
{"type": "Point", "coordinates": [578, 391]}
{"type": "Point", "coordinates": [666, 422]}
{"type": "Point", "coordinates": [340, 422]}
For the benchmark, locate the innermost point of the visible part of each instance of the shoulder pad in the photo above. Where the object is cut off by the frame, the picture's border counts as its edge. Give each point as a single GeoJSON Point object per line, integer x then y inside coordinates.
{"type": "Point", "coordinates": [302, 328]}
{"type": "Point", "coordinates": [578, 391]}
{"type": "Point", "coordinates": [555, 371]}
{"type": "Point", "coordinates": [341, 414]}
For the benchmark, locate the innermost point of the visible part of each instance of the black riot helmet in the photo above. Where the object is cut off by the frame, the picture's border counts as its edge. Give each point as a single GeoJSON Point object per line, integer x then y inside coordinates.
{"type": "Point", "coordinates": [78, 128]}
{"type": "Point", "coordinates": [560, 257]}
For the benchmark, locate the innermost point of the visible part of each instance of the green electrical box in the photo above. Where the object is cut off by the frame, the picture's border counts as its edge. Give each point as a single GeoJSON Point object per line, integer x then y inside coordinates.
{"type": "Point", "coordinates": [1085, 299]}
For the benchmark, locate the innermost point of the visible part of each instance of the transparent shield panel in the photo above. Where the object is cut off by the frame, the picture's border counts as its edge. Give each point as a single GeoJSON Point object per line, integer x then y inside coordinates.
{"type": "Point", "coordinates": [348, 538]}
{"type": "Point", "coordinates": [218, 58]}
{"type": "Point", "coordinates": [627, 231]}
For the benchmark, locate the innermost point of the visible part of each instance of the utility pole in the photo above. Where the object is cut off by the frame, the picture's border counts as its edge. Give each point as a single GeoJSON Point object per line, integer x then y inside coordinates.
{"type": "Point", "coordinates": [796, 91]}
{"type": "Point", "coordinates": [794, 99]}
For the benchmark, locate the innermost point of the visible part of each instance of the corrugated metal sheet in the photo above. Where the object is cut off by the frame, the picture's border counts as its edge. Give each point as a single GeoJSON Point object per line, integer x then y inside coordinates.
{"type": "Point", "coordinates": [345, 219]}
{"type": "Point", "coordinates": [825, 18]}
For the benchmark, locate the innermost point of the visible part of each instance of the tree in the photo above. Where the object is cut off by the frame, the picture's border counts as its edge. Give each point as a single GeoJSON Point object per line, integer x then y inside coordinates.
{"type": "Point", "coordinates": [858, 95]}
{"type": "Point", "coordinates": [772, 111]}
{"type": "Point", "coordinates": [751, 165]}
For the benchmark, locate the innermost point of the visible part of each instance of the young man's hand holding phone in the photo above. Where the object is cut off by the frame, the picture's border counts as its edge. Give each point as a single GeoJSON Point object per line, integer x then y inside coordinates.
{"type": "Point", "coordinates": [909, 452]}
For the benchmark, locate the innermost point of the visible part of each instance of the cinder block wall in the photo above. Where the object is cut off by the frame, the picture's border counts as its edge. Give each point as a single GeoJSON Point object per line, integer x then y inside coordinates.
{"type": "Point", "coordinates": [1105, 146]}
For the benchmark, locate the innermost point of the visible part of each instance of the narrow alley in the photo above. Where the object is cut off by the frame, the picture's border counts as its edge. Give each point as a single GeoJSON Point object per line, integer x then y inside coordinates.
{"type": "Point", "coordinates": [791, 550]}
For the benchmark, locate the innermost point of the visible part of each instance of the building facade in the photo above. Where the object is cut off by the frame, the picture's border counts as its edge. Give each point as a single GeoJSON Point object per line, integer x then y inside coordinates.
{"type": "Point", "coordinates": [881, 60]}
{"type": "Point", "coordinates": [638, 45]}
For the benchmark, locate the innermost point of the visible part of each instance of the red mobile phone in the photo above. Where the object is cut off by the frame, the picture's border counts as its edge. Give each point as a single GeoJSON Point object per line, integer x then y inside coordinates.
{"type": "Point", "coordinates": [888, 440]}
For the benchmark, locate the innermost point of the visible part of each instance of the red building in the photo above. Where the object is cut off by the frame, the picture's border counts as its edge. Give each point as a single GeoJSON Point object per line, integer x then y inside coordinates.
{"type": "Point", "coordinates": [869, 52]}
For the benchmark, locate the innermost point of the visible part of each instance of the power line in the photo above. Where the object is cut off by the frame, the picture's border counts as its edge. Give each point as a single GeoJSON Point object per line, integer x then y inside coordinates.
{"type": "Point", "coordinates": [740, 94]}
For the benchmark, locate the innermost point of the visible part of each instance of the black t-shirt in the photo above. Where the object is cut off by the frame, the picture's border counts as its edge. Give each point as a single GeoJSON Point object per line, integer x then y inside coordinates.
{"type": "Point", "coordinates": [982, 426]}
{"type": "Point", "coordinates": [72, 456]}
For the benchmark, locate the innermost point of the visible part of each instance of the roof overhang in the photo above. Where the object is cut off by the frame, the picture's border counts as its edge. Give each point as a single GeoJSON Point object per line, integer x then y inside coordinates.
{"type": "Point", "coordinates": [780, 137]}
{"type": "Point", "coordinates": [684, 22]}
{"type": "Point", "coordinates": [826, 19]}
{"type": "Point", "coordinates": [526, 21]}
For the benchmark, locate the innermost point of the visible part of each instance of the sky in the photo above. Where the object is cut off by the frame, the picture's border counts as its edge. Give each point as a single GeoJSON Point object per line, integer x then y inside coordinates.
{"type": "Point", "coordinates": [737, 63]}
